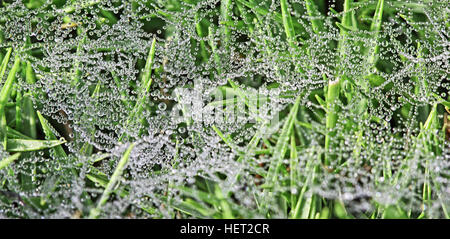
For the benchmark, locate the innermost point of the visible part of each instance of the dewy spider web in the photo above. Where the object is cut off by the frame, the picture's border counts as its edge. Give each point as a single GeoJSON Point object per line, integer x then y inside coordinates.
{"type": "Point", "coordinates": [224, 109]}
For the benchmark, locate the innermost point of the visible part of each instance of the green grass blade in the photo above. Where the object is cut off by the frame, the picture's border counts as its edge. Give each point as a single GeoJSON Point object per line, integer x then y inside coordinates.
{"type": "Point", "coordinates": [293, 171]}
{"type": "Point", "coordinates": [276, 16]}
{"type": "Point", "coordinates": [375, 29]}
{"type": "Point", "coordinates": [5, 63]}
{"type": "Point", "coordinates": [76, 74]}
{"type": "Point", "coordinates": [112, 182]}
{"type": "Point", "coordinates": [198, 28]}
{"type": "Point", "coordinates": [87, 148]}
{"type": "Point", "coordinates": [225, 139]}
{"type": "Point", "coordinates": [227, 212]}
{"type": "Point", "coordinates": [19, 111]}
{"type": "Point", "coordinates": [331, 119]}
{"type": "Point", "coordinates": [25, 145]}
{"type": "Point", "coordinates": [12, 133]}
{"type": "Point", "coordinates": [346, 23]}
{"type": "Point", "coordinates": [98, 179]}
{"type": "Point", "coordinates": [146, 85]}
{"type": "Point", "coordinates": [4, 97]}
{"type": "Point", "coordinates": [313, 12]}
{"type": "Point", "coordinates": [225, 13]}
{"type": "Point", "coordinates": [287, 22]}
{"type": "Point", "coordinates": [282, 143]}
{"type": "Point", "coordinates": [59, 151]}
{"type": "Point", "coordinates": [147, 77]}
{"type": "Point", "coordinates": [29, 116]}
{"type": "Point", "coordinates": [7, 161]}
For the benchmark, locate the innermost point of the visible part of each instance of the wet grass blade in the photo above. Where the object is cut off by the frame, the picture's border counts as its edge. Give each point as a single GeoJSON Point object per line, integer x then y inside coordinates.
{"type": "Point", "coordinates": [14, 134]}
{"type": "Point", "coordinates": [7, 161]}
{"type": "Point", "coordinates": [147, 77]}
{"type": "Point", "coordinates": [375, 29]}
{"type": "Point", "coordinates": [4, 97]}
{"type": "Point", "coordinates": [26, 145]}
{"type": "Point", "coordinates": [225, 13]}
{"type": "Point", "coordinates": [333, 89]}
{"type": "Point", "coordinates": [198, 28]}
{"type": "Point", "coordinates": [282, 143]}
{"type": "Point", "coordinates": [87, 148]}
{"type": "Point", "coordinates": [313, 12]}
{"type": "Point", "coordinates": [112, 182]}
{"type": "Point", "coordinates": [76, 74]}
{"type": "Point", "coordinates": [293, 165]}
{"type": "Point", "coordinates": [146, 84]}
{"type": "Point", "coordinates": [276, 16]}
{"type": "Point", "coordinates": [331, 119]}
{"type": "Point", "coordinates": [19, 111]}
{"type": "Point", "coordinates": [59, 151]}
{"type": "Point", "coordinates": [225, 139]}
{"type": "Point", "coordinates": [29, 113]}
{"type": "Point", "coordinates": [287, 22]}
{"type": "Point", "coordinates": [5, 63]}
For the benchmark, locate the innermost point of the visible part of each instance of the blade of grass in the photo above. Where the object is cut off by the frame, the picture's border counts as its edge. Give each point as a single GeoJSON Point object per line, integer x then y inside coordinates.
{"type": "Point", "coordinates": [198, 28]}
{"type": "Point", "coordinates": [225, 13]}
{"type": "Point", "coordinates": [276, 16]}
{"type": "Point", "coordinates": [112, 182]}
{"type": "Point", "coordinates": [302, 207]}
{"type": "Point", "coordinates": [25, 145]}
{"type": "Point", "coordinates": [4, 97]}
{"type": "Point", "coordinates": [287, 22]}
{"type": "Point", "coordinates": [331, 118]}
{"type": "Point", "coordinates": [225, 139]}
{"type": "Point", "coordinates": [5, 63]}
{"type": "Point", "coordinates": [76, 74]}
{"type": "Point", "coordinates": [146, 85]}
{"type": "Point", "coordinates": [282, 143]}
{"type": "Point", "coordinates": [293, 171]}
{"type": "Point", "coordinates": [18, 110]}
{"type": "Point", "coordinates": [87, 148]}
{"type": "Point", "coordinates": [29, 111]}
{"type": "Point", "coordinates": [313, 12]}
{"type": "Point", "coordinates": [59, 151]}
{"type": "Point", "coordinates": [7, 161]}
{"type": "Point", "coordinates": [333, 90]}
{"type": "Point", "coordinates": [12, 133]}
{"type": "Point", "coordinates": [375, 28]}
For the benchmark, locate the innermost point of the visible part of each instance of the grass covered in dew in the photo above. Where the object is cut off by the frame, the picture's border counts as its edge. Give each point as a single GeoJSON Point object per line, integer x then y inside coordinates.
{"type": "Point", "coordinates": [224, 109]}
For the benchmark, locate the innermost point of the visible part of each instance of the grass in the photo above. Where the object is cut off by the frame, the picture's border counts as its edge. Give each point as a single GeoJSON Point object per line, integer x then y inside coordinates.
{"type": "Point", "coordinates": [224, 109]}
